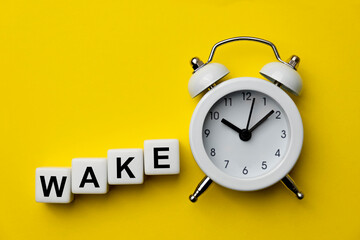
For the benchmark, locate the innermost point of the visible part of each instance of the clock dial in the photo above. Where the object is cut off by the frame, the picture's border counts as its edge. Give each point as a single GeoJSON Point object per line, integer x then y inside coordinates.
{"type": "Point", "coordinates": [246, 134]}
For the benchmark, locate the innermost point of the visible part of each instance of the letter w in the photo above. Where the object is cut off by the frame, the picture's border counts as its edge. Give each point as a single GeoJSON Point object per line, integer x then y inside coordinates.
{"type": "Point", "coordinates": [47, 190]}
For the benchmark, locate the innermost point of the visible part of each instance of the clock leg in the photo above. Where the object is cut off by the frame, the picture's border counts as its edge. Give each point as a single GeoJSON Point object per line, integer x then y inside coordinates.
{"type": "Point", "coordinates": [201, 188]}
{"type": "Point", "coordinates": [290, 184]}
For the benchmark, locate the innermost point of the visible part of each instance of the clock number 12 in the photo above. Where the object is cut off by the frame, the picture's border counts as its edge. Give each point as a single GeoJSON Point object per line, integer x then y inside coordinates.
{"type": "Point", "coordinates": [246, 96]}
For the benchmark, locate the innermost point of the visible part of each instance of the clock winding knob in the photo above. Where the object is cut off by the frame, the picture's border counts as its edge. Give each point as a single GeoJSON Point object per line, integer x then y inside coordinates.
{"type": "Point", "coordinates": [196, 63]}
{"type": "Point", "coordinates": [294, 61]}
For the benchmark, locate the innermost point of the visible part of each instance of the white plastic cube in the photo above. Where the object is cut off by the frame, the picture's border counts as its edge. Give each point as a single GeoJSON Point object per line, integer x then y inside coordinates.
{"type": "Point", "coordinates": [125, 166]}
{"type": "Point", "coordinates": [161, 157]}
{"type": "Point", "coordinates": [53, 185]}
{"type": "Point", "coordinates": [89, 176]}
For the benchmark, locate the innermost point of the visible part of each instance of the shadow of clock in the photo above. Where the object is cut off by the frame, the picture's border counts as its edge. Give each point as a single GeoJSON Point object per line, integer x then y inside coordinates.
{"type": "Point", "coordinates": [264, 197]}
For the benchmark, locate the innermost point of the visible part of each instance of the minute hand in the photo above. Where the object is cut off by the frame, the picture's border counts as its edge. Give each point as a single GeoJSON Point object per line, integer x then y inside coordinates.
{"type": "Point", "coordinates": [261, 121]}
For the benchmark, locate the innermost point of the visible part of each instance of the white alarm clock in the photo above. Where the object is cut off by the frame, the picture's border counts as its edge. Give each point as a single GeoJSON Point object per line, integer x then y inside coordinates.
{"type": "Point", "coordinates": [246, 133]}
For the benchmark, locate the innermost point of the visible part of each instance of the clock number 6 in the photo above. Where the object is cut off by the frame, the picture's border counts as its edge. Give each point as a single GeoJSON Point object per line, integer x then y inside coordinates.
{"type": "Point", "coordinates": [245, 171]}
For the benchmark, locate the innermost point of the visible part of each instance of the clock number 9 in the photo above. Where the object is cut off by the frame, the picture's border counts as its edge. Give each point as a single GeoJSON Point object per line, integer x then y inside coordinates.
{"type": "Point", "coordinates": [214, 115]}
{"type": "Point", "coordinates": [207, 132]}
{"type": "Point", "coordinates": [212, 152]}
{"type": "Point", "coordinates": [245, 171]}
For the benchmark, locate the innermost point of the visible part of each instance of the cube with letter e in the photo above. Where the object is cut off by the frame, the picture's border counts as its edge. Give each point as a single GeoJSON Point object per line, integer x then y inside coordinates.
{"type": "Point", "coordinates": [161, 157]}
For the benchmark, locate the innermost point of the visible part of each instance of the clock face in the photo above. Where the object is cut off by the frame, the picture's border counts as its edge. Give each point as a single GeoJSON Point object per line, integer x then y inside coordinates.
{"type": "Point", "coordinates": [246, 134]}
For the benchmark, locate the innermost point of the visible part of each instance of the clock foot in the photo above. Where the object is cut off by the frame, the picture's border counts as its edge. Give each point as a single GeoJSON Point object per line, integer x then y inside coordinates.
{"type": "Point", "coordinates": [200, 189]}
{"type": "Point", "coordinates": [290, 184]}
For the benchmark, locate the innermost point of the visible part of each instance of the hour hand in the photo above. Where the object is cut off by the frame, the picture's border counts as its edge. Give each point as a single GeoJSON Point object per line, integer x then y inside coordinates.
{"type": "Point", "coordinates": [230, 125]}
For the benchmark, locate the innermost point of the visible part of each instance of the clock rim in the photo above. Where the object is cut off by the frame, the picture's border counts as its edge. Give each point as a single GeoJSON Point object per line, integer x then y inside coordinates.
{"type": "Point", "coordinates": [294, 145]}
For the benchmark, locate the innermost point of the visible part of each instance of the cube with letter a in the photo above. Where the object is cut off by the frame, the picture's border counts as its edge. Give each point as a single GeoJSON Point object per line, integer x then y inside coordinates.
{"type": "Point", "coordinates": [89, 176]}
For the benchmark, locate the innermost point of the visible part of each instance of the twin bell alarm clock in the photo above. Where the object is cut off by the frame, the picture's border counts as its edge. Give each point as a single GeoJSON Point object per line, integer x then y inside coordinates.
{"type": "Point", "coordinates": [246, 133]}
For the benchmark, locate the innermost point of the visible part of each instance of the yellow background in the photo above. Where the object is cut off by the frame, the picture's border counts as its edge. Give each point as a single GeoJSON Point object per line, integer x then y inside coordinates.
{"type": "Point", "coordinates": [81, 77]}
